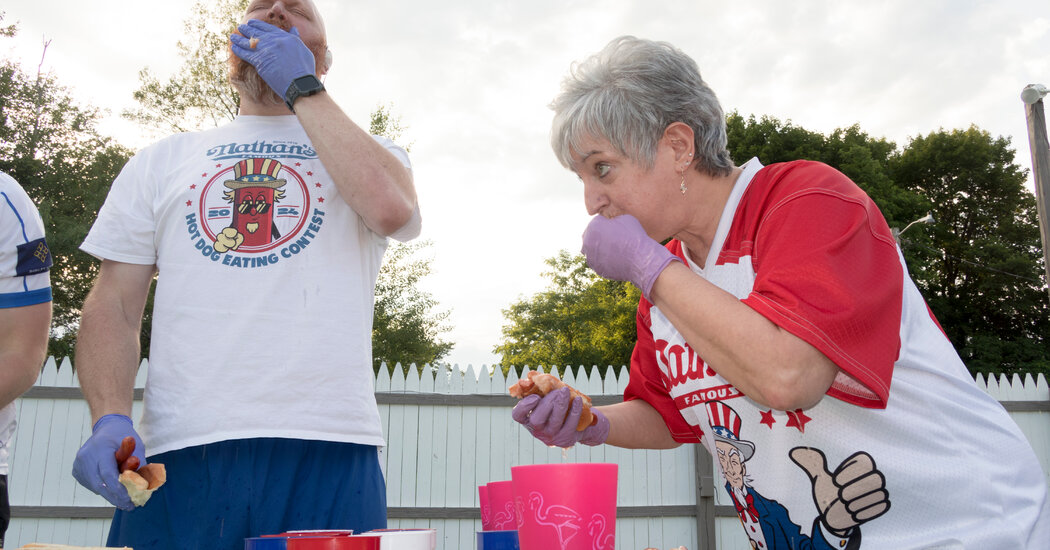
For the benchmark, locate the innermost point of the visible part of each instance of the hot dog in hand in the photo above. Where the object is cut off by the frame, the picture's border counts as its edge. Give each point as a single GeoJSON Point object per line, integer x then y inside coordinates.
{"type": "Point", "coordinates": [140, 482]}
{"type": "Point", "coordinates": [539, 383]}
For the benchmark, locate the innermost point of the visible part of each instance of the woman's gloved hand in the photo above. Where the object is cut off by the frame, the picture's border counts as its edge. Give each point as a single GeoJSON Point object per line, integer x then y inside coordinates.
{"type": "Point", "coordinates": [619, 249]}
{"type": "Point", "coordinates": [554, 417]}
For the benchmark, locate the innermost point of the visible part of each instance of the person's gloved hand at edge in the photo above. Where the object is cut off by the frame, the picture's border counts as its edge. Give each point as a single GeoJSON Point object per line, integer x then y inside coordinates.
{"type": "Point", "coordinates": [279, 56]}
{"type": "Point", "coordinates": [95, 466]}
{"type": "Point", "coordinates": [619, 249]}
{"type": "Point", "coordinates": [553, 419]}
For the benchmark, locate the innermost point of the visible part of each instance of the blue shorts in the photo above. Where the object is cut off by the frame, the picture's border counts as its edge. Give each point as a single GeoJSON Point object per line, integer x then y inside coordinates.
{"type": "Point", "coordinates": [221, 493]}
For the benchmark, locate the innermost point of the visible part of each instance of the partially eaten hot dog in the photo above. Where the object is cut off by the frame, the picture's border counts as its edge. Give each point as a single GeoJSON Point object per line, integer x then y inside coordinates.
{"type": "Point", "coordinates": [539, 383]}
{"type": "Point", "coordinates": [139, 481]}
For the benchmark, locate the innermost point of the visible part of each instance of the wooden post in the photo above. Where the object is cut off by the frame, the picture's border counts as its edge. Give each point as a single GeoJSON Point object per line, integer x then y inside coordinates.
{"type": "Point", "coordinates": [1037, 140]}
{"type": "Point", "coordinates": [705, 499]}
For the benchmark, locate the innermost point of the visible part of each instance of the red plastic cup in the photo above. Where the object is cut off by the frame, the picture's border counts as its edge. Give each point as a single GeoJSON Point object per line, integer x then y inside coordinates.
{"type": "Point", "coordinates": [566, 506]}
{"type": "Point", "coordinates": [501, 503]}
{"type": "Point", "coordinates": [486, 509]}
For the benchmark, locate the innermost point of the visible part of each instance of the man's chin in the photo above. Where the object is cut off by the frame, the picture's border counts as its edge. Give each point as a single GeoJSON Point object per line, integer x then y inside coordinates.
{"type": "Point", "coordinates": [251, 87]}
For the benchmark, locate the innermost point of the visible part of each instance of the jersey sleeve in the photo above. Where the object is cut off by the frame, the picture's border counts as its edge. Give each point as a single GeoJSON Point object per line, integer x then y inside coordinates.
{"type": "Point", "coordinates": [25, 258]}
{"type": "Point", "coordinates": [645, 381]}
{"type": "Point", "coordinates": [125, 228]}
{"type": "Point", "coordinates": [827, 271]}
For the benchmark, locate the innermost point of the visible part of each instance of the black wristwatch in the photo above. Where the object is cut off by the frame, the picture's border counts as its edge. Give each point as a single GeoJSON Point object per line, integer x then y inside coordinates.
{"type": "Point", "coordinates": [301, 87]}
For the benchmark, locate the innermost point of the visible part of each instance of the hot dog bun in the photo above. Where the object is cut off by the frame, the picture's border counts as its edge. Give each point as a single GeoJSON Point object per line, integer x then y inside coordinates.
{"type": "Point", "coordinates": [141, 484]}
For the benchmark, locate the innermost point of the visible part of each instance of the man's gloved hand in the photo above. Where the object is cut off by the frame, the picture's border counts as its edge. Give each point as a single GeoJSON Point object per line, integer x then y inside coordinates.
{"type": "Point", "coordinates": [95, 466]}
{"type": "Point", "coordinates": [553, 419]}
{"type": "Point", "coordinates": [619, 249]}
{"type": "Point", "coordinates": [280, 57]}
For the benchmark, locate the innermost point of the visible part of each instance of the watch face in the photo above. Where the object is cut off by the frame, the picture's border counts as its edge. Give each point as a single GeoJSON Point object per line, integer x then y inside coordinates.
{"type": "Point", "coordinates": [308, 83]}
{"type": "Point", "coordinates": [302, 86]}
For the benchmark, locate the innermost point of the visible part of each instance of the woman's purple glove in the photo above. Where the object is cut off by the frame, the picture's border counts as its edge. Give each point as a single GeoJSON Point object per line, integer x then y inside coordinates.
{"type": "Point", "coordinates": [553, 419]}
{"type": "Point", "coordinates": [619, 249]}
{"type": "Point", "coordinates": [280, 57]}
{"type": "Point", "coordinates": [95, 466]}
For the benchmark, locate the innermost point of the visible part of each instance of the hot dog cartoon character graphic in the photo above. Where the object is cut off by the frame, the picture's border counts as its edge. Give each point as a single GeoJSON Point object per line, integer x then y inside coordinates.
{"type": "Point", "coordinates": [253, 192]}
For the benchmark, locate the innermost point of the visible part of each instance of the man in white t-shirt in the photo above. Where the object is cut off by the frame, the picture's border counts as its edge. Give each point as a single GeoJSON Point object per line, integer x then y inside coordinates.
{"type": "Point", "coordinates": [266, 236]}
{"type": "Point", "coordinates": [25, 312]}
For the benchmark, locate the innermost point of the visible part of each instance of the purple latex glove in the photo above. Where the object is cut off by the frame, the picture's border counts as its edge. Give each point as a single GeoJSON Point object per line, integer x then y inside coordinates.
{"type": "Point", "coordinates": [619, 249]}
{"type": "Point", "coordinates": [95, 466]}
{"type": "Point", "coordinates": [279, 56]}
{"type": "Point", "coordinates": [553, 419]}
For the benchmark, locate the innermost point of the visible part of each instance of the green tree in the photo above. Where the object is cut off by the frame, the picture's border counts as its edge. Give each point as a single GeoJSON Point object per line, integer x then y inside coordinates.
{"type": "Point", "coordinates": [405, 327]}
{"type": "Point", "coordinates": [980, 264]}
{"type": "Point", "coordinates": [199, 94]}
{"type": "Point", "coordinates": [50, 144]}
{"type": "Point", "coordinates": [581, 319]}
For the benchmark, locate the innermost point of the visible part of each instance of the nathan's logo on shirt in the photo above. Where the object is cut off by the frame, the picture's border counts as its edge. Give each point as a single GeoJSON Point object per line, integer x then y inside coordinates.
{"type": "Point", "coordinates": [263, 148]}
{"type": "Point", "coordinates": [253, 214]}
{"type": "Point", "coordinates": [688, 379]}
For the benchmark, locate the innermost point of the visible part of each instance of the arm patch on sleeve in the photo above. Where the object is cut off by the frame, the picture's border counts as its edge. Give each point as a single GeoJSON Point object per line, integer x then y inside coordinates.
{"type": "Point", "coordinates": [33, 257]}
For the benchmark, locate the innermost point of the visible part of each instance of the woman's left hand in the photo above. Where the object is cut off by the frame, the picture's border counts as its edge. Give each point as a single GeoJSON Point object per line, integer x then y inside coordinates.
{"type": "Point", "coordinates": [619, 249]}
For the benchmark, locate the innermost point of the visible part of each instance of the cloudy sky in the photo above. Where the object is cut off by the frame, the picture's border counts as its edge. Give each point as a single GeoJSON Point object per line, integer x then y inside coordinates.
{"type": "Point", "coordinates": [471, 80]}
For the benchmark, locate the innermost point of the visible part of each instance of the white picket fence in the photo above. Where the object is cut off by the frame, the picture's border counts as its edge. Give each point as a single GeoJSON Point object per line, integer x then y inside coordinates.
{"type": "Point", "coordinates": [448, 431]}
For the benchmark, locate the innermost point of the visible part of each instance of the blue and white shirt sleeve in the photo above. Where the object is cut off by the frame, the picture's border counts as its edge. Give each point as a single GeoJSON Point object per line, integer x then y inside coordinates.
{"type": "Point", "coordinates": [25, 259]}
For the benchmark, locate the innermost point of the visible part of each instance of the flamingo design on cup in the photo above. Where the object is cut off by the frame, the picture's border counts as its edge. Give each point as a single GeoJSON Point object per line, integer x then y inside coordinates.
{"type": "Point", "coordinates": [600, 540]}
{"type": "Point", "coordinates": [565, 521]}
{"type": "Point", "coordinates": [504, 519]}
{"type": "Point", "coordinates": [566, 506]}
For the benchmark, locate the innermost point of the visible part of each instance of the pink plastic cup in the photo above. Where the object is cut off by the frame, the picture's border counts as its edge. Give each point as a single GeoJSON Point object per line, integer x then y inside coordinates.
{"type": "Point", "coordinates": [486, 509]}
{"type": "Point", "coordinates": [501, 504]}
{"type": "Point", "coordinates": [565, 506]}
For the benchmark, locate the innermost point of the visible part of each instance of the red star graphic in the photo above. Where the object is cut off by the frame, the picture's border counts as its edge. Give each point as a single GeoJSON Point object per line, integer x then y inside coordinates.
{"type": "Point", "coordinates": [320, 199]}
{"type": "Point", "coordinates": [798, 419]}
{"type": "Point", "coordinates": [318, 184]}
{"type": "Point", "coordinates": [309, 173]}
{"type": "Point", "coordinates": [298, 164]}
{"type": "Point", "coordinates": [767, 419]}
{"type": "Point", "coordinates": [204, 175]}
{"type": "Point", "coordinates": [194, 186]}
{"type": "Point", "coordinates": [218, 165]}
{"type": "Point", "coordinates": [189, 203]}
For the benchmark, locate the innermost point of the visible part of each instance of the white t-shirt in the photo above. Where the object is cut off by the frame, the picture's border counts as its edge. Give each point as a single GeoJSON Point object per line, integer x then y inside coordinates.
{"type": "Point", "coordinates": [24, 280]}
{"type": "Point", "coordinates": [806, 248]}
{"type": "Point", "coordinates": [263, 312]}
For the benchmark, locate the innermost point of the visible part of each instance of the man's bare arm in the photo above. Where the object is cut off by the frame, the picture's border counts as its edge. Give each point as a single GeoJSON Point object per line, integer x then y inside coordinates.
{"type": "Point", "coordinates": [369, 178]}
{"type": "Point", "coordinates": [23, 348]}
{"type": "Point", "coordinates": [107, 354]}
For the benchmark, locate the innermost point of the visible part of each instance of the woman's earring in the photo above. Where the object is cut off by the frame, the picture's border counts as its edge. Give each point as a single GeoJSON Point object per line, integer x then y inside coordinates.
{"type": "Point", "coordinates": [682, 173]}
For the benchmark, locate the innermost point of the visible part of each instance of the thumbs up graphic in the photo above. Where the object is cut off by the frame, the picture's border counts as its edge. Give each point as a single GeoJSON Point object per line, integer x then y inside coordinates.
{"type": "Point", "coordinates": [855, 493]}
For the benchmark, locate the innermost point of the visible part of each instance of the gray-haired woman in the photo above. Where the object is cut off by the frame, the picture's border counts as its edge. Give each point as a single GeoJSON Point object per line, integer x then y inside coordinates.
{"type": "Point", "coordinates": [771, 327]}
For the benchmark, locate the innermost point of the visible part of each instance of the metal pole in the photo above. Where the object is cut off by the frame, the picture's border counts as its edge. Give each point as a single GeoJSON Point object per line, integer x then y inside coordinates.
{"type": "Point", "coordinates": [1037, 140]}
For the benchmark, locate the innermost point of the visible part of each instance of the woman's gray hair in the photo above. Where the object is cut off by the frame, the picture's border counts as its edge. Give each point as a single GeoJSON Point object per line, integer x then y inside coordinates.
{"type": "Point", "coordinates": [628, 94]}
